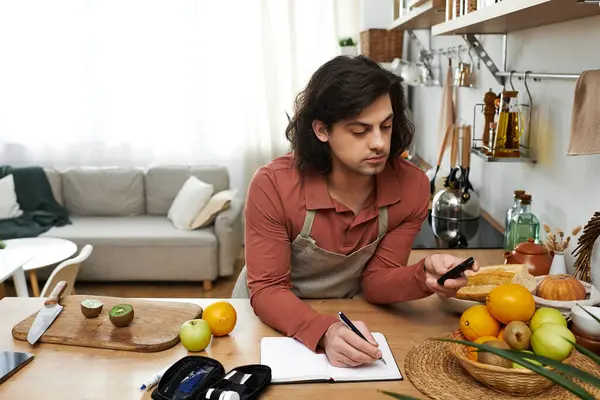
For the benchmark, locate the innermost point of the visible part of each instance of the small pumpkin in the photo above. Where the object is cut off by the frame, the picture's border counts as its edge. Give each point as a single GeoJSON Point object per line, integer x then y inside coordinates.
{"type": "Point", "coordinates": [561, 287]}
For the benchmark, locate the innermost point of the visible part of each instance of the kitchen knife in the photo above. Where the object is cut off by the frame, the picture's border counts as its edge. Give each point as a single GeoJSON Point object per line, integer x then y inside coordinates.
{"type": "Point", "coordinates": [47, 314]}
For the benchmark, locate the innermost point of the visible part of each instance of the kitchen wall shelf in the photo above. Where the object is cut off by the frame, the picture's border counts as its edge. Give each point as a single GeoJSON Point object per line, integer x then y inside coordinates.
{"type": "Point", "coordinates": [513, 15]}
{"type": "Point", "coordinates": [481, 153]}
{"type": "Point", "coordinates": [422, 17]}
{"type": "Point", "coordinates": [416, 3]}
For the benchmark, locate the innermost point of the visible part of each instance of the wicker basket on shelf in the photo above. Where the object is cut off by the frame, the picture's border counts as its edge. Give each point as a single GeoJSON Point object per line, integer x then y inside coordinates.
{"type": "Point", "coordinates": [382, 45]}
{"type": "Point", "coordinates": [513, 381]}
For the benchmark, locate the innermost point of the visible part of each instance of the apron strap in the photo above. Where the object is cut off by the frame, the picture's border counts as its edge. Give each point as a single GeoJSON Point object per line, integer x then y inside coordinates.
{"type": "Point", "coordinates": [310, 218]}
{"type": "Point", "coordinates": [308, 223]}
{"type": "Point", "coordinates": [383, 220]}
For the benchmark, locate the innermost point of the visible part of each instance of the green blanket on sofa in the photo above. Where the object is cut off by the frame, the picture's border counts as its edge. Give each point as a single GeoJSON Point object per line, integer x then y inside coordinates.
{"type": "Point", "coordinates": [41, 211]}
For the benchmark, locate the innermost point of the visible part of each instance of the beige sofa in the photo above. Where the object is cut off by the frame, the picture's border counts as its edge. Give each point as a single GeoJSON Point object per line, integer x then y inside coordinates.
{"type": "Point", "coordinates": [122, 212]}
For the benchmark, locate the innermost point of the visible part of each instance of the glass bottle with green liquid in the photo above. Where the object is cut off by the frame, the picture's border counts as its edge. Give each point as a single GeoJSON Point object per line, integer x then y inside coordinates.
{"type": "Point", "coordinates": [524, 224]}
{"type": "Point", "coordinates": [514, 209]}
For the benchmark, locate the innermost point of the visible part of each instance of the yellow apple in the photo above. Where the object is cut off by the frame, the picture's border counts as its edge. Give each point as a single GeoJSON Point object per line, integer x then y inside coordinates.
{"type": "Point", "coordinates": [195, 334]}
{"type": "Point", "coordinates": [550, 340]}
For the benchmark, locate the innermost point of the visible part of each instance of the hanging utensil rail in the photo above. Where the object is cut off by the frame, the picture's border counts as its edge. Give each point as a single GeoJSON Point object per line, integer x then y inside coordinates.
{"type": "Point", "coordinates": [535, 75]}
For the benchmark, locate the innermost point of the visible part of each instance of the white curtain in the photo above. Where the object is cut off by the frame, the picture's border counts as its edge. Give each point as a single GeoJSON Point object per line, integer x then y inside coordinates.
{"type": "Point", "coordinates": [143, 82]}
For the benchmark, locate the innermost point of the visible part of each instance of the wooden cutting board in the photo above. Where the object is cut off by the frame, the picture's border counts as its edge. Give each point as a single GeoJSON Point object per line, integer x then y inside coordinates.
{"type": "Point", "coordinates": [155, 326]}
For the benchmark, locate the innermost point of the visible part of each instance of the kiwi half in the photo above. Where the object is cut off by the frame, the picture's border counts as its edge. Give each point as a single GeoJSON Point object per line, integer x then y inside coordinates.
{"type": "Point", "coordinates": [121, 315]}
{"type": "Point", "coordinates": [91, 307]}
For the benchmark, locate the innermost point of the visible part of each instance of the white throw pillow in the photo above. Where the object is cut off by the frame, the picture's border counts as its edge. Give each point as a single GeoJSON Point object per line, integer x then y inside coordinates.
{"type": "Point", "coordinates": [9, 206]}
{"type": "Point", "coordinates": [218, 202]}
{"type": "Point", "coordinates": [192, 197]}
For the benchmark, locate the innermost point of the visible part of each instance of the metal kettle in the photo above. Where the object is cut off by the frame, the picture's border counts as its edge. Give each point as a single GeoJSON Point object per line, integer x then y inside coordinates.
{"type": "Point", "coordinates": [451, 204]}
{"type": "Point", "coordinates": [452, 233]}
{"type": "Point", "coordinates": [458, 201]}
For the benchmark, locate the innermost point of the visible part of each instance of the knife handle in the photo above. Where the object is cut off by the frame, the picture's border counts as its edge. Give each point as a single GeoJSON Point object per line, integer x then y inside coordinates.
{"type": "Point", "coordinates": [59, 289]}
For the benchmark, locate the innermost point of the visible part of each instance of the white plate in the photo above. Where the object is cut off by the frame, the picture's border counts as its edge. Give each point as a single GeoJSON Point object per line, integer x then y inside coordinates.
{"type": "Point", "coordinates": [592, 299]}
{"type": "Point", "coordinates": [459, 306]}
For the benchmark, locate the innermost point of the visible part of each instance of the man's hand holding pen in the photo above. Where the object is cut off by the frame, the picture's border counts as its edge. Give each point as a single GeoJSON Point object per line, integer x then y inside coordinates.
{"type": "Point", "coordinates": [345, 348]}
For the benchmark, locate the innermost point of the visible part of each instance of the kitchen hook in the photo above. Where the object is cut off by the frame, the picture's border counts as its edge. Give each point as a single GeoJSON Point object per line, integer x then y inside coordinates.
{"type": "Point", "coordinates": [527, 88]}
{"type": "Point", "coordinates": [530, 106]}
{"type": "Point", "coordinates": [471, 56]}
{"type": "Point", "coordinates": [510, 80]}
{"type": "Point", "coordinates": [458, 54]}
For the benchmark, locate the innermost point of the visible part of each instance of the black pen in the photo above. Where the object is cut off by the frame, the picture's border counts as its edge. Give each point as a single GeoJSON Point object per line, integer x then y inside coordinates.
{"type": "Point", "coordinates": [350, 325]}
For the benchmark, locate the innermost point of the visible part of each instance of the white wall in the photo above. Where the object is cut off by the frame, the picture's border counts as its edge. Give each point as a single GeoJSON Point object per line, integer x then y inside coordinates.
{"type": "Point", "coordinates": [376, 14]}
{"type": "Point", "coordinates": [565, 190]}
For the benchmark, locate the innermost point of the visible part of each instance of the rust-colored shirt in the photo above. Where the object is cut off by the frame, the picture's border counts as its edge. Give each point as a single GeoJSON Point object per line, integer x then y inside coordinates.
{"type": "Point", "coordinates": [278, 198]}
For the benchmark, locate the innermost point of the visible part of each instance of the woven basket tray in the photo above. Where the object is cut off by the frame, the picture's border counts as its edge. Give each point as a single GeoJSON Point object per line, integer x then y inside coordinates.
{"type": "Point", "coordinates": [515, 381]}
{"type": "Point", "coordinates": [436, 372]}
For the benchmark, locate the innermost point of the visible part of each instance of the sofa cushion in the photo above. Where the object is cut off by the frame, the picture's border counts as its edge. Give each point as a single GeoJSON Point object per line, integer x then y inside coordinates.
{"type": "Point", "coordinates": [192, 198]}
{"type": "Point", "coordinates": [55, 179]}
{"type": "Point", "coordinates": [218, 202]}
{"type": "Point", "coordinates": [164, 182]}
{"type": "Point", "coordinates": [9, 205]}
{"type": "Point", "coordinates": [104, 191]}
{"type": "Point", "coordinates": [143, 230]}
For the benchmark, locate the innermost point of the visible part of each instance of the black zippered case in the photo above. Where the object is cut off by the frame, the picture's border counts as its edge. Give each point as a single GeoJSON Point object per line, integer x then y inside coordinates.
{"type": "Point", "coordinates": [204, 378]}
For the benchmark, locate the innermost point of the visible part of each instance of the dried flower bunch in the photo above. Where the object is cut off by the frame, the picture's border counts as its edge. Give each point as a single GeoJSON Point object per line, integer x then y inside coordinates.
{"type": "Point", "coordinates": [556, 241]}
{"type": "Point", "coordinates": [584, 248]}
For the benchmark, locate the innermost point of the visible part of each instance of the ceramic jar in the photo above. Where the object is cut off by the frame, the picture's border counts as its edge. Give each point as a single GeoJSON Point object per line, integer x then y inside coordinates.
{"type": "Point", "coordinates": [558, 265]}
{"type": "Point", "coordinates": [595, 264]}
{"type": "Point", "coordinates": [535, 256]}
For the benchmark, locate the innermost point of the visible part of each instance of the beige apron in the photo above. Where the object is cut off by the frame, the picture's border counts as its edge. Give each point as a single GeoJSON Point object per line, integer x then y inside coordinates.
{"type": "Point", "coordinates": [317, 273]}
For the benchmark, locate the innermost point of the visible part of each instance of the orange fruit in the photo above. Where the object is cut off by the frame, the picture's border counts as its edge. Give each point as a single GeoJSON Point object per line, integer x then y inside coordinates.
{"type": "Point", "coordinates": [477, 321]}
{"type": "Point", "coordinates": [511, 302]}
{"type": "Point", "coordinates": [221, 317]}
{"type": "Point", "coordinates": [480, 340]}
{"type": "Point", "coordinates": [501, 333]}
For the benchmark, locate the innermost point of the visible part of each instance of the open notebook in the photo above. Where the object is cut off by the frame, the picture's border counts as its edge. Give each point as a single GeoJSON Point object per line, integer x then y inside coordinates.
{"type": "Point", "coordinates": [291, 361]}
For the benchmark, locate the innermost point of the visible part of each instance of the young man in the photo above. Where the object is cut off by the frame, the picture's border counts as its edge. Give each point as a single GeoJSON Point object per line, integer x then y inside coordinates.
{"type": "Point", "coordinates": [337, 216]}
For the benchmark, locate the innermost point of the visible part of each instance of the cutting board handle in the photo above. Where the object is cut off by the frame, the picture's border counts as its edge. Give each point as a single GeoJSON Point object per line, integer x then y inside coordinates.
{"type": "Point", "coordinates": [58, 291]}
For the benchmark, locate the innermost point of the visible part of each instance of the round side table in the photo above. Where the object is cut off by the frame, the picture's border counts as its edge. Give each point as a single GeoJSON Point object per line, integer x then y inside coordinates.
{"type": "Point", "coordinates": [45, 252]}
{"type": "Point", "coordinates": [11, 264]}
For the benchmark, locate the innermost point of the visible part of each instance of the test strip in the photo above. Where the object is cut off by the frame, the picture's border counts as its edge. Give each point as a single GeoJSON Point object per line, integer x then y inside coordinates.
{"type": "Point", "coordinates": [245, 378]}
{"type": "Point", "coordinates": [229, 375]}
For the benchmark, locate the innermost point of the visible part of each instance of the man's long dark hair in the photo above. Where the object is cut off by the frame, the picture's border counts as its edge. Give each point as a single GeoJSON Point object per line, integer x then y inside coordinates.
{"type": "Point", "coordinates": [340, 89]}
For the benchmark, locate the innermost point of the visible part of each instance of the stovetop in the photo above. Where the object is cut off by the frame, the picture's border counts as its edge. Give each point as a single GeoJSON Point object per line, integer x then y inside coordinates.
{"type": "Point", "coordinates": [474, 234]}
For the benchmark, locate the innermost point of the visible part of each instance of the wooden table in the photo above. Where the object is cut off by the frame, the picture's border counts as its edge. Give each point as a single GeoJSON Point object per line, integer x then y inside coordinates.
{"type": "Point", "coordinates": [75, 373]}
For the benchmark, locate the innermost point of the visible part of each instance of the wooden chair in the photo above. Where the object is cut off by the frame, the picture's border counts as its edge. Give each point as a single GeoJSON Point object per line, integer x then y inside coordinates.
{"type": "Point", "coordinates": [67, 271]}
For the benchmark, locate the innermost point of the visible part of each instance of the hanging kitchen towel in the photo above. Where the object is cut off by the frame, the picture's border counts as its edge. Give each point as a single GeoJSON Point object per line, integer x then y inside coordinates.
{"type": "Point", "coordinates": [447, 115]}
{"type": "Point", "coordinates": [585, 119]}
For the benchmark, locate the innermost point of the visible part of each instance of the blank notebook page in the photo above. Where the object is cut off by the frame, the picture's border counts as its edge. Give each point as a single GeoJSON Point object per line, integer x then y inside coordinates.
{"type": "Point", "coordinates": [291, 361]}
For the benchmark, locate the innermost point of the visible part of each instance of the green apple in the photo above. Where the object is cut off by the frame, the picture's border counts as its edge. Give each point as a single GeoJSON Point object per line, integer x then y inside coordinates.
{"type": "Point", "coordinates": [195, 334]}
{"type": "Point", "coordinates": [548, 340]}
{"type": "Point", "coordinates": [544, 315]}
{"type": "Point", "coordinates": [515, 365]}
